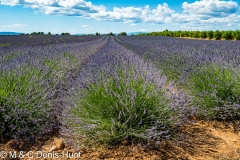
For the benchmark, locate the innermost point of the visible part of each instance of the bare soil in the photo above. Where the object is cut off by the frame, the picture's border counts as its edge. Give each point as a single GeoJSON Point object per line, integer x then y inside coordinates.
{"type": "Point", "coordinates": [204, 141]}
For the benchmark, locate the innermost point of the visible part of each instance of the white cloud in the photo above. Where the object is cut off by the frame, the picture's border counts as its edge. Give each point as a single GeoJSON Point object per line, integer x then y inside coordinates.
{"type": "Point", "coordinates": [15, 26]}
{"type": "Point", "coordinates": [198, 13]}
{"type": "Point", "coordinates": [210, 8]}
{"type": "Point", "coordinates": [10, 2]}
{"type": "Point", "coordinates": [87, 27]}
{"type": "Point", "coordinates": [160, 14]}
{"type": "Point", "coordinates": [142, 30]}
{"type": "Point", "coordinates": [233, 18]}
{"type": "Point", "coordinates": [59, 7]}
{"type": "Point", "coordinates": [213, 23]}
{"type": "Point", "coordinates": [224, 22]}
{"type": "Point", "coordinates": [128, 21]}
{"type": "Point", "coordinates": [207, 14]}
{"type": "Point", "coordinates": [194, 27]}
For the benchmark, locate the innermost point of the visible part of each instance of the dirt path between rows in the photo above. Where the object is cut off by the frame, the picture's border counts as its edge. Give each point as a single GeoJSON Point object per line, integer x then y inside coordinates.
{"type": "Point", "coordinates": [211, 140]}
{"type": "Point", "coordinates": [204, 141]}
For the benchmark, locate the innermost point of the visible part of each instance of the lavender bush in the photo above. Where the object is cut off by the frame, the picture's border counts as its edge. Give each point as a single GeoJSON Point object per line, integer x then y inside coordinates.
{"type": "Point", "coordinates": [33, 84]}
{"type": "Point", "coordinates": [216, 91]}
{"type": "Point", "coordinates": [207, 70]}
{"type": "Point", "coordinates": [25, 101]}
{"type": "Point", "coordinates": [118, 96]}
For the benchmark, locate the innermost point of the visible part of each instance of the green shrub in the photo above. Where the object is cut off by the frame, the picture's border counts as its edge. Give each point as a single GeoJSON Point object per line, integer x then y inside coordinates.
{"type": "Point", "coordinates": [25, 105]}
{"type": "Point", "coordinates": [203, 34]}
{"type": "Point", "coordinates": [196, 34]}
{"type": "Point", "coordinates": [210, 34]}
{"type": "Point", "coordinates": [216, 91]}
{"type": "Point", "coordinates": [227, 35]}
{"type": "Point", "coordinates": [237, 35]}
{"type": "Point", "coordinates": [217, 35]}
{"type": "Point", "coordinates": [115, 110]}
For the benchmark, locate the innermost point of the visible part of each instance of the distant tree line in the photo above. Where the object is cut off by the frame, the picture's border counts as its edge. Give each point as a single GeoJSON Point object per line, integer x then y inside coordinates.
{"type": "Point", "coordinates": [42, 33]}
{"type": "Point", "coordinates": [218, 35]}
{"type": "Point", "coordinates": [65, 34]}
{"type": "Point", "coordinates": [112, 34]}
{"type": "Point", "coordinates": [122, 34]}
{"type": "Point", "coordinates": [37, 33]}
{"type": "Point", "coordinates": [97, 34]}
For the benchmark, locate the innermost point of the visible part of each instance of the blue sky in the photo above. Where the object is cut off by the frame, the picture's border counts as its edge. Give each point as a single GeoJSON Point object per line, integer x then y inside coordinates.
{"type": "Point", "coordinates": [80, 16]}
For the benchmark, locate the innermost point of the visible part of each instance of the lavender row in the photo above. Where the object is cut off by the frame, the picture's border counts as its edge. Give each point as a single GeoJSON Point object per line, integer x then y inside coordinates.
{"type": "Point", "coordinates": [16, 56]}
{"type": "Point", "coordinates": [117, 96]}
{"type": "Point", "coordinates": [184, 51]}
{"type": "Point", "coordinates": [33, 85]}
{"type": "Point", "coordinates": [209, 71]}
{"type": "Point", "coordinates": [40, 40]}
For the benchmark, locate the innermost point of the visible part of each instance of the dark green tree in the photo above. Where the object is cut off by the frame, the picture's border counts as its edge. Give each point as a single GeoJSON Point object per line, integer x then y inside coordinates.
{"type": "Point", "coordinates": [210, 34]}
{"type": "Point", "coordinates": [217, 35]}
{"type": "Point", "coordinates": [203, 34]}
{"type": "Point", "coordinates": [122, 34]}
{"type": "Point", "coordinates": [65, 34]}
{"type": "Point", "coordinates": [237, 34]}
{"type": "Point", "coordinates": [190, 34]}
{"type": "Point", "coordinates": [227, 35]}
{"type": "Point", "coordinates": [196, 34]}
{"type": "Point", "coordinates": [111, 34]}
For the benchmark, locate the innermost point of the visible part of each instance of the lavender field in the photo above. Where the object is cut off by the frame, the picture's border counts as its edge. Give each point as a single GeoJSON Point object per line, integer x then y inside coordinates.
{"type": "Point", "coordinates": [105, 89]}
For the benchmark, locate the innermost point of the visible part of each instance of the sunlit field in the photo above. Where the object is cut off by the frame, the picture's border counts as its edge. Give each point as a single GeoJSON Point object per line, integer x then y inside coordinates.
{"type": "Point", "coordinates": [105, 90]}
